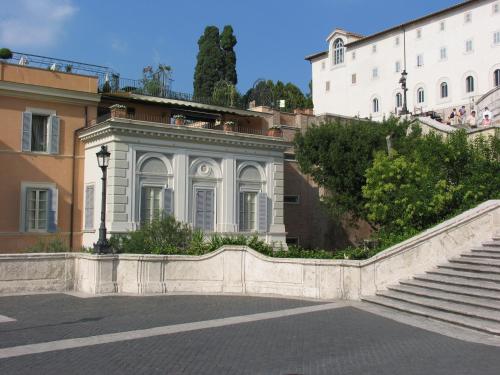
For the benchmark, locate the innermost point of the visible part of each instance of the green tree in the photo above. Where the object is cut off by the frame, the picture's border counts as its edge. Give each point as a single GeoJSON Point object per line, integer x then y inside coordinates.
{"type": "Point", "coordinates": [269, 93]}
{"type": "Point", "coordinates": [209, 63]}
{"type": "Point", "coordinates": [227, 43]}
{"type": "Point", "coordinates": [337, 155]}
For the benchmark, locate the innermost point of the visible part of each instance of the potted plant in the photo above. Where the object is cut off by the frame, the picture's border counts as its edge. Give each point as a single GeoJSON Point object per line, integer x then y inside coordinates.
{"type": "Point", "coordinates": [275, 131]}
{"type": "Point", "coordinates": [5, 54]}
{"type": "Point", "coordinates": [118, 110]}
{"type": "Point", "coordinates": [179, 119]}
{"type": "Point", "coordinates": [229, 126]}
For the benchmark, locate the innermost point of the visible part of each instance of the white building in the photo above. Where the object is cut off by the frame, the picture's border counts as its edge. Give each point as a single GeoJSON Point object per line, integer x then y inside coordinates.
{"type": "Point", "coordinates": [452, 57]}
{"type": "Point", "coordinates": [218, 181]}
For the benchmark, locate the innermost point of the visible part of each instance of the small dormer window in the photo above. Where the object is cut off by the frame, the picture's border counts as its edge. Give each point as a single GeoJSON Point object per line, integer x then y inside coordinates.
{"type": "Point", "coordinates": [338, 51]}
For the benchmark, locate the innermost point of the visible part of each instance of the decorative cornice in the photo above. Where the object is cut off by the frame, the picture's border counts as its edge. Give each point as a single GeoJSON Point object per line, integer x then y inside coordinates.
{"type": "Point", "coordinates": [145, 129]}
{"type": "Point", "coordinates": [22, 90]}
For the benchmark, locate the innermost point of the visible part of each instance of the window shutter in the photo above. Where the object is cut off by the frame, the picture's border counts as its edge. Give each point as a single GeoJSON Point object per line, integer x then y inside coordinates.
{"type": "Point", "coordinates": [26, 210]}
{"type": "Point", "coordinates": [262, 211]}
{"type": "Point", "coordinates": [89, 207]}
{"type": "Point", "coordinates": [209, 211]}
{"type": "Point", "coordinates": [26, 135]}
{"type": "Point", "coordinates": [52, 210]}
{"type": "Point", "coordinates": [168, 201]}
{"type": "Point", "coordinates": [200, 201]}
{"type": "Point", "coordinates": [54, 135]}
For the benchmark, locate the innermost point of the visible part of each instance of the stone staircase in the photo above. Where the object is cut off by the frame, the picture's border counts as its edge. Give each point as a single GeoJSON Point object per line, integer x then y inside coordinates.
{"type": "Point", "coordinates": [465, 291]}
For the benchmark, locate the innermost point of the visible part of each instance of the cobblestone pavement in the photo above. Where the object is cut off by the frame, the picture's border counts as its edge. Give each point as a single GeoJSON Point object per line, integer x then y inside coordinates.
{"type": "Point", "coordinates": [344, 340]}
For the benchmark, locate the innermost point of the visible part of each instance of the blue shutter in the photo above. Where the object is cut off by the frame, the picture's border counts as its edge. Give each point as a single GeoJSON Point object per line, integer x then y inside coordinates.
{"type": "Point", "coordinates": [26, 210]}
{"type": "Point", "coordinates": [54, 134]}
{"type": "Point", "coordinates": [262, 212]}
{"type": "Point", "coordinates": [89, 207]}
{"type": "Point", "coordinates": [52, 210]}
{"type": "Point", "coordinates": [209, 211]}
{"type": "Point", "coordinates": [200, 201]}
{"type": "Point", "coordinates": [26, 134]}
{"type": "Point", "coordinates": [168, 201]}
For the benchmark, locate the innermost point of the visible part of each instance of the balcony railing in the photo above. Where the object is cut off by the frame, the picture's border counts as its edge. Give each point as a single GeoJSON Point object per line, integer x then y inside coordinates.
{"type": "Point", "coordinates": [61, 65]}
{"type": "Point", "coordinates": [157, 88]}
{"type": "Point", "coordinates": [198, 124]}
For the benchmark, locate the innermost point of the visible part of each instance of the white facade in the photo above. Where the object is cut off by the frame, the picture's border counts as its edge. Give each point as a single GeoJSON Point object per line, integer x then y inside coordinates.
{"type": "Point", "coordinates": [442, 49]}
{"type": "Point", "coordinates": [217, 181]}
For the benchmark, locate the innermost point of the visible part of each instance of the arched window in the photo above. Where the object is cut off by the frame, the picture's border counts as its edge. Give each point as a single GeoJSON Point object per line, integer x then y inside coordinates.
{"type": "Point", "coordinates": [496, 77]}
{"type": "Point", "coordinates": [443, 89]}
{"type": "Point", "coordinates": [338, 51]}
{"type": "Point", "coordinates": [469, 84]}
{"type": "Point", "coordinates": [375, 105]}
{"type": "Point", "coordinates": [420, 95]}
{"type": "Point", "coordinates": [399, 100]}
{"type": "Point", "coordinates": [252, 199]}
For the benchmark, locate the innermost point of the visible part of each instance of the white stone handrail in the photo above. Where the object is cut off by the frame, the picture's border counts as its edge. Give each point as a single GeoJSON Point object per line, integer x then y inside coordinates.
{"type": "Point", "coordinates": [239, 269]}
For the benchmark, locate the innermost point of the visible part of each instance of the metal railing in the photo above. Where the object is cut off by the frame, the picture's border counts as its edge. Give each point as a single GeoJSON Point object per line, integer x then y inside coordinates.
{"type": "Point", "coordinates": [60, 65]}
{"type": "Point", "coordinates": [152, 87]}
{"type": "Point", "coordinates": [170, 121]}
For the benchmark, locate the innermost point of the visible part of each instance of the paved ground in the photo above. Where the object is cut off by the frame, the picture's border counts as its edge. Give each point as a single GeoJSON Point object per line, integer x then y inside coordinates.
{"type": "Point", "coordinates": [61, 334]}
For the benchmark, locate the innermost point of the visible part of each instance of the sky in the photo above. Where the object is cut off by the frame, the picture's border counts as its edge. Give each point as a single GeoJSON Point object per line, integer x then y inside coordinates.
{"type": "Point", "coordinates": [273, 36]}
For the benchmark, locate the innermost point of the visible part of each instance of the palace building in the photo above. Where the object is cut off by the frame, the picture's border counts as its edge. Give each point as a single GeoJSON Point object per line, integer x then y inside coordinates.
{"type": "Point", "coordinates": [451, 57]}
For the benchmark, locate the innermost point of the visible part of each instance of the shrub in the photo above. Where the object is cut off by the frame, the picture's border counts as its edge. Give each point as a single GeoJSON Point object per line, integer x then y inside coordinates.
{"type": "Point", "coordinates": [5, 53]}
{"type": "Point", "coordinates": [51, 245]}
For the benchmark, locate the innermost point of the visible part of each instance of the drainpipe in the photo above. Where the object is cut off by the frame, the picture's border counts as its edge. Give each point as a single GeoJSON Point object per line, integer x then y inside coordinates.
{"type": "Point", "coordinates": [73, 173]}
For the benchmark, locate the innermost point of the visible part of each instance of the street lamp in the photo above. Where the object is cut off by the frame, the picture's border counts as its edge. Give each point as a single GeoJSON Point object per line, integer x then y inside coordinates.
{"type": "Point", "coordinates": [402, 81]}
{"type": "Point", "coordinates": [102, 245]}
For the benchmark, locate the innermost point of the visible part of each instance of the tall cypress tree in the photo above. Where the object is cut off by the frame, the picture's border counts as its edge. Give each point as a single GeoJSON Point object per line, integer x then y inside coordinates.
{"type": "Point", "coordinates": [209, 63]}
{"type": "Point", "coordinates": [227, 43]}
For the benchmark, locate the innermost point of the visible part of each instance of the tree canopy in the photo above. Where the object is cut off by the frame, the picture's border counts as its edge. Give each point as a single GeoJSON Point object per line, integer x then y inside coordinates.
{"type": "Point", "coordinates": [216, 61]}
{"type": "Point", "coordinates": [269, 94]}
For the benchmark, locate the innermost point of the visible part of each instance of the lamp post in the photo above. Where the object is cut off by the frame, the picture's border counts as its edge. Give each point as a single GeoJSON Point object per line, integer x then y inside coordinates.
{"type": "Point", "coordinates": [402, 81]}
{"type": "Point", "coordinates": [102, 245]}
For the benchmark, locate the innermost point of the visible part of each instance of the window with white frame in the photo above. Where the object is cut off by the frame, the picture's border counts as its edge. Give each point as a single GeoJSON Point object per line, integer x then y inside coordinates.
{"type": "Point", "coordinates": [441, 26]}
{"type": "Point", "coordinates": [204, 209]}
{"type": "Point", "coordinates": [420, 60]}
{"type": "Point", "coordinates": [253, 202]}
{"type": "Point", "coordinates": [496, 78]}
{"type": "Point", "coordinates": [468, 46]}
{"type": "Point", "coordinates": [399, 100]}
{"type": "Point", "coordinates": [37, 210]}
{"type": "Point", "coordinates": [89, 206]}
{"type": "Point", "coordinates": [398, 66]}
{"type": "Point", "coordinates": [151, 206]}
{"type": "Point", "coordinates": [248, 211]}
{"type": "Point", "coordinates": [374, 48]}
{"type": "Point", "coordinates": [468, 17]}
{"type": "Point", "coordinates": [38, 207]}
{"type": "Point", "coordinates": [396, 41]}
{"type": "Point", "coordinates": [375, 107]}
{"type": "Point", "coordinates": [375, 73]}
{"type": "Point", "coordinates": [419, 33]}
{"type": "Point", "coordinates": [496, 37]}
{"type": "Point", "coordinates": [40, 132]}
{"type": "Point", "coordinates": [495, 8]}
{"type": "Point", "coordinates": [338, 51]}
{"type": "Point", "coordinates": [353, 55]}
{"type": "Point", "coordinates": [420, 95]}
{"type": "Point", "coordinates": [469, 84]}
{"type": "Point", "coordinates": [443, 90]}
{"type": "Point", "coordinates": [443, 55]}
{"type": "Point", "coordinates": [353, 78]}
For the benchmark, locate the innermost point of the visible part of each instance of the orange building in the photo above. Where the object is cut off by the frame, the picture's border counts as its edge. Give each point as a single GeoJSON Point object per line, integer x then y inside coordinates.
{"type": "Point", "coordinates": [41, 162]}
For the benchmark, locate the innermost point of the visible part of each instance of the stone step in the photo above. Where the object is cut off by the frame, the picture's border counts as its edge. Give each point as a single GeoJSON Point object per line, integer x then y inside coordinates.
{"type": "Point", "coordinates": [448, 296]}
{"type": "Point", "coordinates": [466, 275]}
{"type": "Point", "coordinates": [452, 288]}
{"type": "Point", "coordinates": [460, 282]}
{"type": "Point", "coordinates": [493, 243]}
{"type": "Point", "coordinates": [445, 306]}
{"type": "Point", "coordinates": [481, 254]}
{"type": "Point", "coordinates": [488, 249]}
{"type": "Point", "coordinates": [463, 321]}
{"type": "Point", "coordinates": [471, 268]}
{"type": "Point", "coordinates": [480, 262]}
